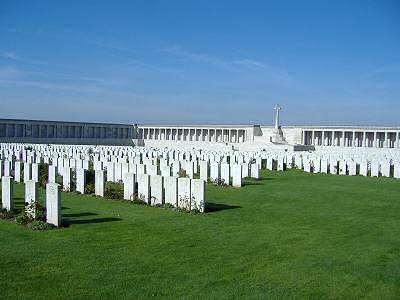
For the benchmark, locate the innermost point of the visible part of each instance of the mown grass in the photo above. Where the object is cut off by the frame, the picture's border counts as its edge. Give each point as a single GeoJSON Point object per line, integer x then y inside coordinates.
{"type": "Point", "coordinates": [289, 235]}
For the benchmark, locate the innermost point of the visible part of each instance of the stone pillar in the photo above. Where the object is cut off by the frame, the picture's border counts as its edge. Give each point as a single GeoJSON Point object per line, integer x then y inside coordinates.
{"type": "Point", "coordinates": [312, 137]}
{"type": "Point", "coordinates": [7, 193]}
{"type": "Point", "coordinates": [53, 204]}
{"type": "Point", "coordinates": [374, 143]}
{"type": "Point", "coordinates": [353, 142]}
{"type": "Point", "coordinates": [323, 138]}
{"type": "Point", "coordinates": [397, 140]}
{"type": "Point", "coordinates": [364, 140]}
{"type": "Point", "coordinates": [99, 183]}
{"type": "Point", "coordinates": [385, 143]}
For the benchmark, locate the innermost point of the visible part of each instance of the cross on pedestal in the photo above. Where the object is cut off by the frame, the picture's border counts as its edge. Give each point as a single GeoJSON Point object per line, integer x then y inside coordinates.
{"type": "Point", "coordinates": [277, 108]}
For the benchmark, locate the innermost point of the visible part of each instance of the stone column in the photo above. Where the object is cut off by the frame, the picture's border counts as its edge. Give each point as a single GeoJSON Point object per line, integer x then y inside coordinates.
{"type": "Point", "coordinates": [364, 139]}
{"type": "Point", "coordinates": [53, 204]}
{"type": "Point", "coordinates": [397, 140]}
{"type": "Point", "coordinates": [7, 193]}
{"type": "Point", "coordinates": [385, 143]}
{"type": "Point", "coordinates": [323, 138]}
{"type": "Point", "coordinates": [312, 137]}
{"type": "Point", "coordinates": [343, 143]}
{"type": "Point", "coordinates": [375, 144]}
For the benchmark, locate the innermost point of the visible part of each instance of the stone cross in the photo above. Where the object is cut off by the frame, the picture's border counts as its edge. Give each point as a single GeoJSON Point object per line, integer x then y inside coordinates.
{"type": "Point", "coordinates": [277, 108]}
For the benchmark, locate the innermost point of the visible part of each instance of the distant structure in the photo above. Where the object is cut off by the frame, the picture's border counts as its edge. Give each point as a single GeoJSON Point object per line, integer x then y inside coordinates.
{"type": "Point", "coordinates": [240, 137]}
{"type": "Point", "coordinates": [277, 136]}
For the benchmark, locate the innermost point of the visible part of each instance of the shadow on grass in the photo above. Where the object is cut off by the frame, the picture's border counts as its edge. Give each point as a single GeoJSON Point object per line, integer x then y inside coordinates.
{"type": "Point", "coordinates": [79, 215]}
{"type": "Point", "coordinates": [66, 223]}
{"type": "Point", "coordinates": [247, 183]}
{"type": "Point", "coordinates": [213, 207]}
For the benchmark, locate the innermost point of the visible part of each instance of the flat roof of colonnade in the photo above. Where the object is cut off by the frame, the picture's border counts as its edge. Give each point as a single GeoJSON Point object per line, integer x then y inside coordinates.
{"type": "Point", "coordinates": [61, 122]}
{"type": "Point", "coordinates": [194, 126]}
{"type": "Point", "coordinates": [347, 127]}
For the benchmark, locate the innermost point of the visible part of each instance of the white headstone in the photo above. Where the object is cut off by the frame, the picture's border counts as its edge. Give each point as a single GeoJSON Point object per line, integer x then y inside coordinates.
{"type": "Point", "coordinates": [17, 171]}
{"type": "Point", "coordinates": [144, 187]}
{"type": "Point", "coordinates": [31, 196]}
{"type": "Point", "coordinates": [171, 190]}
{"type": "Point", "coordinates": [204, 170]}
{"type": "Point", "coordinates": [99, 181]}
{"type": "Point", "coordinates": [129, 186]}
{"type": "Point", "coordinates": [214, 172]}
{"type": "Point", "coordinates": [52, 174]}
{"type": "Point", "coordinates": [7, 193]}
{"type": "Point", "coordinates": [80, 180]}
{"type": "Point", "coordinates": [236, 175]}
{"type": "Point", "coordinates": [184, 193]}
{"type": "Point", "coordinates": [27, 172]}
{"type": "Point", "coordinates": [225, 173]}
{"type": "Point", "coordinates": [66, 179]}
{"type": "Point", "coordinates": [255, 171]}
{"type": "Point", "coordinates": [197, 190]}
{"type": "Point", "coordinates": [53, 204]}
{"type": "Point", "coordinates": [156, 189]}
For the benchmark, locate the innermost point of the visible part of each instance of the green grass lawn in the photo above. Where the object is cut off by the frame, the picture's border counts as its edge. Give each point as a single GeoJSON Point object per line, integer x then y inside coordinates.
{"type": "Point", "coordinates": [289, 235]}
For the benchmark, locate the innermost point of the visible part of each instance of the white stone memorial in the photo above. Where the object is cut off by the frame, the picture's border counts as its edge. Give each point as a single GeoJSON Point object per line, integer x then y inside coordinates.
{"type": "Point", "coordinates": [53, 204]}
{"type": "Point", "coordinates": [144, 187]}
{"type": "Point", "coordinates": [156, 189]}
{"type": "Point", "coordinates": [171, 190]}
{"type": "Point", "coordinates": [99, 183]}
{"type": "Point", "coordinates": [184, 199]}
{"type": "Point", "coordinates": [197, 190]}
{"type": "Point", "coordinates": [7, 193]}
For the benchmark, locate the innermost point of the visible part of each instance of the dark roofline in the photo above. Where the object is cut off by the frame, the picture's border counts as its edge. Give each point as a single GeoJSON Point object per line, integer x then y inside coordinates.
{"type": "Point", "coordinates": [63, 122]}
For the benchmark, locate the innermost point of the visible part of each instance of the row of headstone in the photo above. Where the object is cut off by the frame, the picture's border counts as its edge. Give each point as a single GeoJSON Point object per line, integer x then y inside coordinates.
{"type": "Point", "coordinates": [53, 198]}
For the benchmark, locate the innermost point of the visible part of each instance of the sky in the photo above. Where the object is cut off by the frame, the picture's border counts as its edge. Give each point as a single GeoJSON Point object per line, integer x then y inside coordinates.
{"type": "Point", "coordinates": [201, 62]}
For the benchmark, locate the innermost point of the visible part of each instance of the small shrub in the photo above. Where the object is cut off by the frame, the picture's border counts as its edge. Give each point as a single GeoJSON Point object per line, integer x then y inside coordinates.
{"type": "Point", "coordinates": [43, 174]}
{"type": "Point", "coordinates": [7, 215]}
{"type": "Point", "coordinates": [40, 225]}
{"type": "Point", "coordinates": [114, 190]}
{"type": "Point", "coordinates": [23, 218]}
{"type": "Point", "coordinates": [182, 173]}
{"type": "Point", "coordinates": [168, 206]}
{"type": "Point", "coordinates": [89, 188]}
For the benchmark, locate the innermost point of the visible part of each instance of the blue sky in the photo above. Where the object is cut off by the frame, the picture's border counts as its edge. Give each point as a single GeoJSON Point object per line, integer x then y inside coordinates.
{"type": "Point", "coordinates": [201, 61]}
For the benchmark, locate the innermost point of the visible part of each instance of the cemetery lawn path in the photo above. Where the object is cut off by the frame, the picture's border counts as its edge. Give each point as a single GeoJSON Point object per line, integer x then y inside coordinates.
{"type": "Point", "coordinates": [289, 235]}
